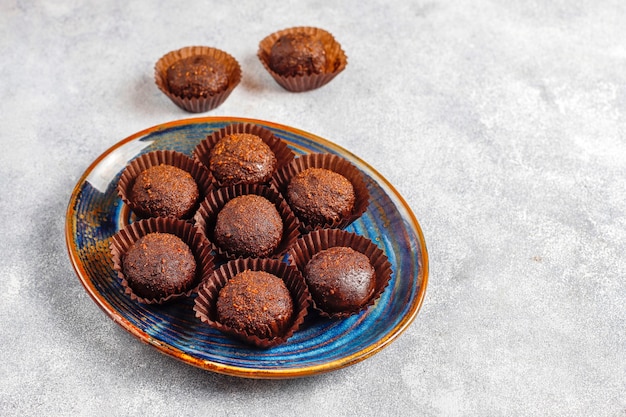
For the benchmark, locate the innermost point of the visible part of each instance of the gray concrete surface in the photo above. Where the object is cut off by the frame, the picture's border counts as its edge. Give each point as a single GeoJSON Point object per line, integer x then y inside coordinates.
{"type": "Point", "coordinates": [502, 123]}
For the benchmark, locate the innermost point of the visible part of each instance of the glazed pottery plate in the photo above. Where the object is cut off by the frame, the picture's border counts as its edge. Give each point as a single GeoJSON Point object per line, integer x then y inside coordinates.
{"type": "Point", "coordinates": [95, 213]}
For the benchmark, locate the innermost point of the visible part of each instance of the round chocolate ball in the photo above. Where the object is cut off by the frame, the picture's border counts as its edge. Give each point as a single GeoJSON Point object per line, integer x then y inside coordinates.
{"type": "Point", "coordinates": [164, 191]}
{"type": "Point", "coordinates": [158, 265]}
{"type": "Point", "coordinates": [319, 196]}
{"type": "Point", "coordinates": [297, 54]}
{"type": "Point", "coordinates": [197, 76]}
{"type": "Point", "coordinates": [248, 226]}
{"type": "Point", "coordinates": [241, 158]}
{"type": "Point", "coordinates": [340, 279]}
{"type": "Point", "coordinates": [257, 303]}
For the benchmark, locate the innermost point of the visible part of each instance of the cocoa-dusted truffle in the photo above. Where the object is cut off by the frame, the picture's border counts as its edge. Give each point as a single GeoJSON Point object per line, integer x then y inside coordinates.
{"type": "Point", "coordinates": [340, 279]}
{"type": "Point", "coordinates": [248, 226]}
{"type": "Point", "coordinates": [320, 196]}
{"type": "Point", "coordinates": [197, 76]}
{"type": "Point", "coordinates": [241, 158]}
{"type": "Point", "coordinates": [296, 54]}
{"type": "Point", "coordinates": [164, 191]}
{"type": "Point", "coordinates": [257, 303]}
{"type": "Point", "coordinates": [159, 265]}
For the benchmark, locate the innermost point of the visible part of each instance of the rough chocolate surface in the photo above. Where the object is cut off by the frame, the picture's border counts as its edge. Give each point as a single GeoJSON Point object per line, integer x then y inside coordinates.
{"type": "Point", "coordinates": [164, 190]}
{"type": "Point", "coordinates": [158, 265]}
{"type": "Point", "coordinates": [197, 76]}
{"type": "Point", "coordinates": [500, 123]}
{"type": "Point", "coordinates": [255, 302]}
{"type": "Point", "coordinates": [297, 54]}
{"type": "Point", "coordinates": [340, 279]}
{"type": "Point", "coordinates": [319, 196]}
{"type": "Point", "coordinates": [249, 225]}
{"type": "Point", "coordinates": [241, 158]}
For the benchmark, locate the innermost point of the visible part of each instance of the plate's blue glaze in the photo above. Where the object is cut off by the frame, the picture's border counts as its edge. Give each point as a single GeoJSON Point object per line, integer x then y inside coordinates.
{"type": "Point", "coordinates": [95, 213]}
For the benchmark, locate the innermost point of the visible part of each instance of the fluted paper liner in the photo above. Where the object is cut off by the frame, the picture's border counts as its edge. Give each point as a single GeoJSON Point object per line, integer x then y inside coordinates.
{"type": "Point", "coordinates": [135, 167]}
{"type": "Point", "coordinates": [331, 162]}
{"type": "Point", "coordinates": [206, 302]}
{"type": "Point", "coordinates": [336, 59]}
{"type": "Point", "coordinates": [283, 154]}
{"type": "Point", "coordinates": [308, 245]}
{"type": "Point", "coordinates": [206, 216]}
{"type": "Point", "coordinates": [197, 104]}
{"type": "Point", "coordinates": [200, 247]}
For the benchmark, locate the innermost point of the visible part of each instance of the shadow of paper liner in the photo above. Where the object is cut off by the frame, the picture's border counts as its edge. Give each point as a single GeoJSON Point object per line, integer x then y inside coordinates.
{"type": "Point", "coordinates": [103, 174]}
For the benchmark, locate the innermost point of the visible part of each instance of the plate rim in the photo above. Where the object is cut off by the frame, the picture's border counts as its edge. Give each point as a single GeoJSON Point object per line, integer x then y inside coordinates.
{"type": "Point", "coordinates": [233, 370]}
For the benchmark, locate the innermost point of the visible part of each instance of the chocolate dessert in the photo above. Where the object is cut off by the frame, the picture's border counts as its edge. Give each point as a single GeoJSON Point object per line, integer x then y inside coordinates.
{"type": "Point", "coordinates": [340, 279]}
{"type": "Point", "coordinates": [257, 303]}
{"type": "Point", "coordinates": [158, 265]}
{"type": "Point", "coordinates": [164, 191]}
{"type": "Point", "coordinates": [241, 158]}
{"type": "Point", "coordinates": [197, 76]}
{"type": "Point", "coordinates": [319, 196]}
{"type": "Point", "coordinates": [295, 54]}
{"type": "Point", "coordinates": [248, 226]}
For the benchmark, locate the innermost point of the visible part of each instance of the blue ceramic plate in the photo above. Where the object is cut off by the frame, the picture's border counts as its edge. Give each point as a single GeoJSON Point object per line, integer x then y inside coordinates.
{"type": "Point", "coordinates": [95, 213]}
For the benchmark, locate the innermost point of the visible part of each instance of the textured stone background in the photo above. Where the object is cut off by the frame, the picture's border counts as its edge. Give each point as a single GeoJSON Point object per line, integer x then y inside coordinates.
{"type": "Point", "coordinates": [502, 123]}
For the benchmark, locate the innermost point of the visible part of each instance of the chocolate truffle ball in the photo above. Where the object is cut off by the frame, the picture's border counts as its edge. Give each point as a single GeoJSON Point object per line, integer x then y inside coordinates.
{"type": "Point", "coordinates": [297, 54]}
{"type": "Point", "coordinates": [319, 196]}
{"type": "Point", "coordinates": [197, 76]}
{"type": "Point", "coordinates": [241, 158]}
{"type": "Point", "coordinates": [340, 279]}
{"type": "Point", "coordinates": [164, 191]}
{"type": "Point", "coordinates": [248, 226]}
{"type": "Point", "coordinates": [257, 303]}
{"type": "Point", "coordinates": [158, 265]}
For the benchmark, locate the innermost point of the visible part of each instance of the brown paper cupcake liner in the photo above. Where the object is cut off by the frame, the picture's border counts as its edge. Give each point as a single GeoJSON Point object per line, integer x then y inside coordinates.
{"type": "Point", "coordinates": [308, 245]}
{"type": "Point", "coordinates": [336, 60]}
{"type": "Point", "coordinates": [206, 216]}
{"type": "Point", "coordinates": [206, 301]}
{"type": "Point", "coordinates": [197, 104]}
{"type": "Point", "coordinates": [199, 245]}
{"type": "Point", "coordinates": [283, 154]}
{"type": "Point", "coordinates": [334, 163]}
{"type": "Point", "coordinates": [155, 158]}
